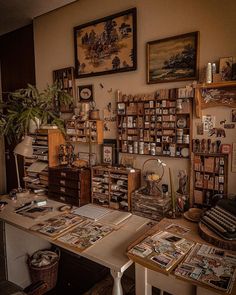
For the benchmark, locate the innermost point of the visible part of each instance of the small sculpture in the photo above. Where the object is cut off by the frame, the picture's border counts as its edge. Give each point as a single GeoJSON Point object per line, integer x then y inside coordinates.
{"type": "Point", "coordinates": [183, 179]}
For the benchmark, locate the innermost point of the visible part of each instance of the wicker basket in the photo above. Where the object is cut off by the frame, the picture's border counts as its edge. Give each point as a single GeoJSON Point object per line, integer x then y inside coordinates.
{"type": "Point", "coordinates": [48, 273]}
{"type": "Point", "coordinates": [152, 188]}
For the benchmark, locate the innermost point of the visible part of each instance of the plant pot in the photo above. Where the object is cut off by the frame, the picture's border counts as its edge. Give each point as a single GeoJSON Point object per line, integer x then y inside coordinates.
{"type": "Point", "coordinates": [94, 115]}
{"type": "Point", "coordinates": [34, 125]}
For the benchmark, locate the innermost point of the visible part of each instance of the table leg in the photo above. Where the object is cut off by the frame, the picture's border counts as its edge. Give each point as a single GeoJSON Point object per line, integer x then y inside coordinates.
{"type": "Point", "coordinates": [117, 287]}
{"type": "Point", "coordinates": [141, 285]}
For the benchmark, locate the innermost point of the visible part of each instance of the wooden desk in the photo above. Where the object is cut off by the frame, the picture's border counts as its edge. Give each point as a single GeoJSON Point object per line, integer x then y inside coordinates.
{"type": "Point", "coordinates": [110, 251]}
{"type": "Point", "coordinates": [145, 277]}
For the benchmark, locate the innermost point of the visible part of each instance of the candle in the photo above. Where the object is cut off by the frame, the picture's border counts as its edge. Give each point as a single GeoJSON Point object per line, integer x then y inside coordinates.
{"type": "Point", "coordinates": [172, 193]}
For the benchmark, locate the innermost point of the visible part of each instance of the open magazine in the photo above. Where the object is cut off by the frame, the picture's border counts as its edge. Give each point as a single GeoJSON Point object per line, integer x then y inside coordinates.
{"type": "Point", "coordinates": [54, 226]}
{"type": "Point", "coordinates": [209, 265]}
{"type": "Point", "coordinates": [85, 234]}
{"type": "Point", "coordinates": [163, 249]}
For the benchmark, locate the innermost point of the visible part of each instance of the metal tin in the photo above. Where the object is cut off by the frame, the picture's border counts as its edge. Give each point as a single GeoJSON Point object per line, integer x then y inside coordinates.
{"type": "Point", "coordinates": [153, 149]}
{"type": "Point", "coordinates": [135, 147]}
{"type": "Point", "coordinates": [130, 149]}
{"type": "Point", "coordinates": [186, 138]}
{"type": "Point", "coordinates": [141, 147]}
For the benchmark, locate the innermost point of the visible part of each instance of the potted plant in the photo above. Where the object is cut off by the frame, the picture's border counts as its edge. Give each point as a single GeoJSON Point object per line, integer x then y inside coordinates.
{"type": "Point", "coordinates": [28, 105]}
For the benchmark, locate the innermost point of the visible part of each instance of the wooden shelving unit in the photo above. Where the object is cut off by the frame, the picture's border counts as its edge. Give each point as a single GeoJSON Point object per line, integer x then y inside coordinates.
{"type": "Point", "coordinates": [46, 144]}
{"type": "Point", "coordinates": [112, 187]}
{"type": "Point", "coordinates": [215, 94]}
{"type": "Point", "coordinates": [66, 80]}
{"type": "Point", "coordinates": [158, 126]}
{"type": "Point", "coordinates": [210, 177]}
{"type": "Point", "coordinates": [89, 131]}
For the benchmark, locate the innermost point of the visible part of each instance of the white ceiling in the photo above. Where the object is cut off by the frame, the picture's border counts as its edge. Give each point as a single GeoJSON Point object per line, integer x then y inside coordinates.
{"type": "Point", "coordinates": [15, 14]}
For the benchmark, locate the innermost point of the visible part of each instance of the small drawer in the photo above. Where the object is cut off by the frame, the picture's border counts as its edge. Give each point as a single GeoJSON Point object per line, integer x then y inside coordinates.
{"type": "Point", "coordinates": [60, 197]}
{"type": "Point", "coordinates": [65, 190]}
{"type": "Point", "coordinates": [75, 184]}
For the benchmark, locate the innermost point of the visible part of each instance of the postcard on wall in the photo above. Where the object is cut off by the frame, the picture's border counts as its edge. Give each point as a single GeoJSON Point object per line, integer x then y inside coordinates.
{"type": "Point", "coordinates": [209, 265]}
{"type": "Point", "coordinates": [208, 122]}
{"type": "Point", "coordinates": [56, 225]}
{"type": "Point", "coordinates": [163, 249]}
{"type": "Point", "coordinates": [85, 235]}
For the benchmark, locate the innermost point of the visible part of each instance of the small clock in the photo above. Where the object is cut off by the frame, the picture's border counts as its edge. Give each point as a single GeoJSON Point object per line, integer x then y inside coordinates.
{"type": "Point", "coordinates": [85, 93]}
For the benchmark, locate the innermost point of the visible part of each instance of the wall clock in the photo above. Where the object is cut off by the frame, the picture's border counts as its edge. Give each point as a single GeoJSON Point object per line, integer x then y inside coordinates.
{"type": "Point", "coordinates": [85, 93]}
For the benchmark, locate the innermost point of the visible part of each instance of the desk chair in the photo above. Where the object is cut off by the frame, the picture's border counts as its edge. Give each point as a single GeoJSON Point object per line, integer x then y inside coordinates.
{"type": "Point", "coordinates": [8, 288]}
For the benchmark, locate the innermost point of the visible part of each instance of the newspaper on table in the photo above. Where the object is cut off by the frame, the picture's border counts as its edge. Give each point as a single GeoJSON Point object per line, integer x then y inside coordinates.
{"type": "Point", "coordinates": [209, 265]}
{"type": "Point", "coordinates": [163, 249]}
{"type": "Point", "coordinates": [55, 226]}
{"type": "Point", "coordinates": [85, 234]}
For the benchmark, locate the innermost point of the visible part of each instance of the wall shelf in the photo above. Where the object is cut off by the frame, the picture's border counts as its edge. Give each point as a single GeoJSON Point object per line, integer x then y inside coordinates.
{"type": "Point", "coordinates": [209, 95]}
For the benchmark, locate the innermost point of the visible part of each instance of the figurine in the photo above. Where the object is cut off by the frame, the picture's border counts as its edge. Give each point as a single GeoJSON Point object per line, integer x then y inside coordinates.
{"type": "Point", "coordinates": [183, 179]}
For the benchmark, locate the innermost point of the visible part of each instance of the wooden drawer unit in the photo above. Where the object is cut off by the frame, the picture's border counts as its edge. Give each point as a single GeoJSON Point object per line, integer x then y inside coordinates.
{"type": "Point", "coordinates": [69, 185]}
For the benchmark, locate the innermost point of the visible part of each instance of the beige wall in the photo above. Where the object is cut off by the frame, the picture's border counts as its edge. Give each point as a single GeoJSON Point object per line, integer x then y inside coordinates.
{"type": "Point", "coordinates": [156, 19]}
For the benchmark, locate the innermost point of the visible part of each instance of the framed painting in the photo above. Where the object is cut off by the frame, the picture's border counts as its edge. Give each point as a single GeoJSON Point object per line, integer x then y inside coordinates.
{"type": "Point", "coordinates": [225, 68]}
{"type": "Point", "coordinates": [108, 154]}
{"type": "Point", "coordinates": [173, 59]}
{"type": "Point", "coordinates": [107, 45]}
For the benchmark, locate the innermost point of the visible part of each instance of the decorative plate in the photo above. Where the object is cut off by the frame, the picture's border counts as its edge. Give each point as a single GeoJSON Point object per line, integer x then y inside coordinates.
{"type": "Point", "coordinates": [181, 122]}
{"type": "Point", "coordinates": [185, 152]}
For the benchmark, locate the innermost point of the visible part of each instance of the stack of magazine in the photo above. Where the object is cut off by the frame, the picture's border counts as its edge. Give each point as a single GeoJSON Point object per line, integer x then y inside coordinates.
{"type": "Point", "coordinates": [209, 265]}
{"type": "Point", "coordinates": [163, 250]}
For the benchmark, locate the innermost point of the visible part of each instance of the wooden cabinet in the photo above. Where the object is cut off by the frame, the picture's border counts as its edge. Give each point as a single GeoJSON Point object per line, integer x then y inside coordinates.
{"type": "Point", "coordinates": [66, 81]}
{"type": "Point", "coordinates": [70, 185]}
{"type": "Point", "coordinates": [46, 143]}
{"type": "Point", "coordinates": [89, 131]}
{"type": "Point", "coordinates": [158, 125]}
{"type": "Point", "coordinates": [112, 187]}
{"type": "Point", "coordinates": [215, 94]}
{"type": "Point", "coordinates": [210, 176]}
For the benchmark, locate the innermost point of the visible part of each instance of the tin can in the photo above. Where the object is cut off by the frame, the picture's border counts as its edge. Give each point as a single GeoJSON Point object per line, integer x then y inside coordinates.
{"type": "Point", "coordinates": [135, 147]}
{"type": "Point", "coordinates": [141, 147]}
{"type": "Point", "coordinates": [153, 149]}
{"type": "Point", "coordinates": [130, 149]}
{"type": "Point", "coordinates": [186, 138]}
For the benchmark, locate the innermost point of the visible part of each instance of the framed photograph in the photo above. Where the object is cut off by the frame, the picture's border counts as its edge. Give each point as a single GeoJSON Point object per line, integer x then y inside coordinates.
{"type": "Point", "coordinates": [107, 45]}
{"type": "Point", "coordinates": [226, 68]}
{"type": "Point", "coordinates": [108, 154]}
{"type": "Point", "coordinates": [85, 93]}
{"type": "Point", "coordinates": [233, 115]}
{"type": "Point", "coordinates": [173, 59]}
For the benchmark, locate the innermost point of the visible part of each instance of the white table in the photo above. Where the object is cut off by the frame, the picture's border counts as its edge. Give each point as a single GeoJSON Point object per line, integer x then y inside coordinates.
{"type": "Point", "coordinates": [110, 251]}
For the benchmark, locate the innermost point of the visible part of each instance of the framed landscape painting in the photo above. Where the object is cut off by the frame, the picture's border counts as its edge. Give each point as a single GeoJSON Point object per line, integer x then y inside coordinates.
{"type": "Point", "coordinates": [173, 59]}
{"type": "Point", "coordinates": [107, 45]}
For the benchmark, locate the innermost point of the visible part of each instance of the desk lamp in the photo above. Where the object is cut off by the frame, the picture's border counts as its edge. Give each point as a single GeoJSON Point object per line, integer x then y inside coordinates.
{"type": "Point", "coordinates": [25, 149]}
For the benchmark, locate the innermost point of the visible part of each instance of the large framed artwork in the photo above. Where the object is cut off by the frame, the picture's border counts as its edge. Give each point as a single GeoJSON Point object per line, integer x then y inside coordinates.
{"type": "Point", "coordinates": [107, 45]}
{"type": "Point", "coordinates": [173, 59]}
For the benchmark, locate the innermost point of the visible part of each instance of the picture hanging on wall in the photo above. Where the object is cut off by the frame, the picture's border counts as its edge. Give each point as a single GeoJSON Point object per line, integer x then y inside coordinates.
{"type": "Point", "coordinates": [107, 45]}
{"type": "Point", "coordinates": [173, 59]}
{"type": "Point", "coordinates": [225, 68]}
{"type": "Point", "coordinates": [85, 93]}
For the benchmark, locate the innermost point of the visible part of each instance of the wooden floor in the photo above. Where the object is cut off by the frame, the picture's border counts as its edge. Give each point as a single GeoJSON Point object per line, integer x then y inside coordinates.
{"type": "Point", "coordinates": [7, 288]}
{"type": "Point", "coordinates": [104, 287]}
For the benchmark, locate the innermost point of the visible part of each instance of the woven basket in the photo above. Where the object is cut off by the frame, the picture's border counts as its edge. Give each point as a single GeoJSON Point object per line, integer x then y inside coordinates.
{"type": "Point", "coordinates": [48, 273]}
{"type": "Point", "coordinates": [152, 188]}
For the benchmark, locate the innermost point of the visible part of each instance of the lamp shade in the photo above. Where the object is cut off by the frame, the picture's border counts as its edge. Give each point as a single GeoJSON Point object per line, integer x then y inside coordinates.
{"type": "Point", "coordinates": [25, 147]}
